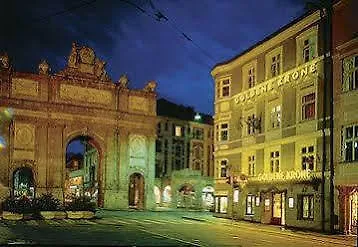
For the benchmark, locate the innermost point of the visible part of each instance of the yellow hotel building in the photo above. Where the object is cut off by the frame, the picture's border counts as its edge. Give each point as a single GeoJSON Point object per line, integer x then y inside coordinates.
{"type": "Point", "coordinates": [268, 129]}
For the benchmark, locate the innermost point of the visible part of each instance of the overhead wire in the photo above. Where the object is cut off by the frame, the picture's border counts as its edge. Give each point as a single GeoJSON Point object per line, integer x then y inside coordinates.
{"type": "Point", "coordinates": [158, 16]}
{"type": "Point", "coordinates": [173, 25]}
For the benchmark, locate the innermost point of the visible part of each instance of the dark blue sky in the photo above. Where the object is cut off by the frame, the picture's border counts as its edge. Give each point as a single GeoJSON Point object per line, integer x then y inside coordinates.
{"type": "Point", "coordinates": [134, 43]}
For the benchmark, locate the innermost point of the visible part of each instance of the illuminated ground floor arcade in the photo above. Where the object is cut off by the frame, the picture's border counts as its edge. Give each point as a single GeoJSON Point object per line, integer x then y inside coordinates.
{"type": "Point", "coordinates": [287, 203]}
{"type": "Point", "coordinates": [185, 189]}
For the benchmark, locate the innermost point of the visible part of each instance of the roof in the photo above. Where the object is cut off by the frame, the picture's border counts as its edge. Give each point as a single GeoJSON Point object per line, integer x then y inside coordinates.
{"type": "Point", "coordinates": [266, 39]}
{"type": "Point", "coordinates": [166, 108]}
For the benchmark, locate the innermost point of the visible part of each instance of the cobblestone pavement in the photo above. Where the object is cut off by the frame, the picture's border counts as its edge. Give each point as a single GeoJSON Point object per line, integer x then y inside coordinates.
{"type": "Point", "coordinates": [158, 229]}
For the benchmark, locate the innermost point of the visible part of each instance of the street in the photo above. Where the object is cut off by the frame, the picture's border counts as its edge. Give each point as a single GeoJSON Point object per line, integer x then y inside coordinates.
{"type": "Point", "coordinates": [119, 228]}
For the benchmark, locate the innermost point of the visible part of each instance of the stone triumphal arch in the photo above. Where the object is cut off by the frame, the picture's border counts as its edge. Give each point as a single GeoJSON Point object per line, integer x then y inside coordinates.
{"type": "Point", "coordinates": [81, 100]}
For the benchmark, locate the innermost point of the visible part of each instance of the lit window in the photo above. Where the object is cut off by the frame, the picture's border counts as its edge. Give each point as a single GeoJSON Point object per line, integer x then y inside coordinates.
{"type": "Point", "coordinates": [223, 169]}
{"type": "Point", "coordinates": [350, 143]}
{"type": "Point", "coordinates": [275, 117]}
{"type": "Point", "coordinates": [251, 165]}
{"type": "Point", "coordinates": [224, 130]}
{"type": "Point", "coordinates": [307, 154]}
{"type": "Point", "coordinates": [178, 131]}
{"type": "Point", "coordinates": [350, 73]}
{"type": "Point", "coordinates": [250, 201]}
{"type": "Point", "coordinates": [308, 106]}
{"type": "Point", "coordinates": [275, 161]}
{"type": "Point", "coordinates": [306, 206]}
{"type": "Point", "coordinates": [275, 65]}
{"type": "Point", "coordinates": [251, 77]}
{"type": "Point", "coordinates": [221, 204]}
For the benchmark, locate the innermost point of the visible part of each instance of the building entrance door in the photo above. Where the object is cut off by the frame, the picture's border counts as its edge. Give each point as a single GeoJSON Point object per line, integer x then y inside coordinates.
{"type": "Point", "coordinates": [353, 204]}
{"type": "Point", "coordinates": [278, 209]}
{"type": "Point", "coordinates": [136, 191]}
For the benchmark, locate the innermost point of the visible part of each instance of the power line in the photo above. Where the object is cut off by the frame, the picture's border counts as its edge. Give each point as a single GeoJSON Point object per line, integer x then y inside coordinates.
{"type": "Point", "coordinates": [61, 12]}
{"type": "Point", "coordinates": [173, 25]}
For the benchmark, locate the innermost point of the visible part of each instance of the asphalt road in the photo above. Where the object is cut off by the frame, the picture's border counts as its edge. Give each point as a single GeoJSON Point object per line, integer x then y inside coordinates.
{"type": "Point", "coordinates": [159, 229]}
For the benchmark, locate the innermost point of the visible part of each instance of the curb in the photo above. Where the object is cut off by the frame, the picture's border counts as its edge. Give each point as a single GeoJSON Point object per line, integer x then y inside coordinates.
{"type": "Point", "coordinates": [191, 218]}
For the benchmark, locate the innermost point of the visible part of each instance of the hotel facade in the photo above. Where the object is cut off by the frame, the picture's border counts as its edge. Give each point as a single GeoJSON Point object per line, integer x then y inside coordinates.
{"type": "Point", "coordinates": [268, 130]}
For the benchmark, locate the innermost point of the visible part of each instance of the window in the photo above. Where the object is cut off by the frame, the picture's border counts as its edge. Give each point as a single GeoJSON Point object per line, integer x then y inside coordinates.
{"type": "Point", "coordinates": [178, 131]}
{"type": "Point", "coordinates": [275, 65]}
{"type": "Point", "coordinates": [198, 133]}
{"type": "Point", "coordinates": [221, 204]}
{"type": "Point", "coordinates": [350, 143]}
{"type": "Point", "coordinates": [350, 73]}
{"type": "Point", "coordinates": [275, 117]}
{"type": "Point", "coordinates": [223, 168]}
{"type": "Point", "coordinates": [306, 206]}
{"type": "Point", "coordinates": [224, 131]}
{"type": "Point", "coordinates": [250, 201]}
{"type": "Point", "coordinates": [223, 88]}
{"type": "Point", "coordinates": [166, 127]}
{"type": "Point", "coordinates": [159, 128]}
{"type": "Point", "coordinates": [251, 165]}
{"type": "Point", "coordinates": [236, 196]}
{"type": "Point", "coordinates": [307, 154]}
{"type": "Point", "coordinates": [253, 124]}
{"type": "Point", "coordinates": [275, 161]}
{"type": "Point", "coordinates": [307, 46]}
{"type": "Point", "coordinates": [308, 106]}
{"type": "Point", "coordinates": [251, 77]}
{"type": "Point", "coordinates": [308, 49]}
{"type": "Point", "coordinates": [158, 146]}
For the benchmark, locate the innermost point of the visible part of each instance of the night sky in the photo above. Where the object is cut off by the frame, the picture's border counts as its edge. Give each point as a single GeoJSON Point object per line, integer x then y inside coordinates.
{"type": "Point", "coordinates": [136, 43]}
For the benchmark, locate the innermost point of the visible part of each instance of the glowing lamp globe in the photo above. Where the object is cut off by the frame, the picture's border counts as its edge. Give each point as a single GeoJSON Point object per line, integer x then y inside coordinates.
{"type": "Point", "coordinates": [9, 113]}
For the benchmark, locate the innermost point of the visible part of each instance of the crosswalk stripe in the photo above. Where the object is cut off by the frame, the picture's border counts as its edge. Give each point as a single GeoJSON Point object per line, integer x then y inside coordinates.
{"type": "Point", "coordinates": [156, 222]}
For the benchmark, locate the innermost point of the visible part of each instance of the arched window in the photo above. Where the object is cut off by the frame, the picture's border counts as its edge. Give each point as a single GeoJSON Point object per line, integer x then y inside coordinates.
{"type": "Point", "coordinates": [157, 194]}
{"type": "Point", "coordinates": [23, 183]}
{"type": "Point", "coordinates": [167, 194]}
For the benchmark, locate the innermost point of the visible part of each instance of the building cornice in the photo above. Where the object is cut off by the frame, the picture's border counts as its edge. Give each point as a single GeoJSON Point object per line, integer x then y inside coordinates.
{"type": "Point", "coordinates": [261, 48]}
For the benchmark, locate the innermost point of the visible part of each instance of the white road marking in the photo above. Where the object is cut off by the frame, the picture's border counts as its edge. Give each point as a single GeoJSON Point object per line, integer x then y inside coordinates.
{"type": "Point", "coordinates": [172, 238]}
{"type": "Point", "coordinates": [155, 222]}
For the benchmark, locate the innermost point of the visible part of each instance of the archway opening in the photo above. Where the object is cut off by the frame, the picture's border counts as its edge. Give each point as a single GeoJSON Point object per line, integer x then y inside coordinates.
{"type": "Point", "coordinates": [23, 183]}
{"type": "Point", "coordinates": [136, 191]}
{"type": "Point", "coordinates": [157, 195]}
{"type": "Point", "coordinates": [167, 195]}
{"type": "Point", "coordinates": [208, 198]}
{"type": "Point", "coordinates": [186, 198]}
{"type": "Point", "coordinates": [83, 173]}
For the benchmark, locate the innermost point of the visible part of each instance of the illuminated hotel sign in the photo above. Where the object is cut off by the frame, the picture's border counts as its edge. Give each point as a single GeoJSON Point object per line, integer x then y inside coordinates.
{"type": "Point", "coordinates": [268, 86]}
